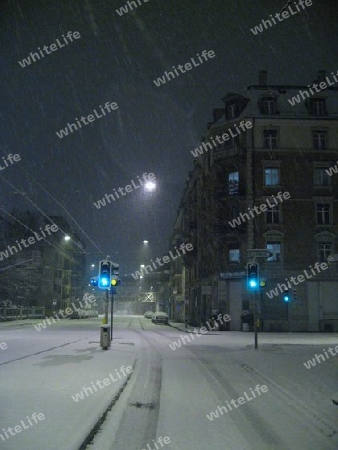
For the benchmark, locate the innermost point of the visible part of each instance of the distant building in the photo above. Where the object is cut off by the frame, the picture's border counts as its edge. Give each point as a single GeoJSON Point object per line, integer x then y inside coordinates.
{"type": "Point", "coordinates": [63, 268]}
{"type": "Point", "coordinates": [50, 272]}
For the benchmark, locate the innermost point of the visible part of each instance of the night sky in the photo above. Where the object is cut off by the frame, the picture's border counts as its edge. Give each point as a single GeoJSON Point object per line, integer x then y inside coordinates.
{"type": "Point", "coordinates": [154, 128]}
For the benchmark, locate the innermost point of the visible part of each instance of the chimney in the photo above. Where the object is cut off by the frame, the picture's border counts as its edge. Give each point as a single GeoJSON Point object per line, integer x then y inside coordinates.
{"type": "Point", "coordinates": [321, 74]}
{"type": "Point", "coordinates": [263, 77]}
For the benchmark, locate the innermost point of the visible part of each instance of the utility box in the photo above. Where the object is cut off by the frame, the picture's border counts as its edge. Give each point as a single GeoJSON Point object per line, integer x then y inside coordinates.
{"type": "Point", "coordinates": [105, 337]}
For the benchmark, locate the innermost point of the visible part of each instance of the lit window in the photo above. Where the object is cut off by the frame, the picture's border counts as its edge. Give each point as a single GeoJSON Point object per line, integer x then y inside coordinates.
{"type": "Point", "coordinates": [233, 183]}
{"type": "Point", "coordinates": [274, 248]}
{"type": "Point", "coordinates": [271, 176]}
{"type": "Point", "coordinates": [234, 255]}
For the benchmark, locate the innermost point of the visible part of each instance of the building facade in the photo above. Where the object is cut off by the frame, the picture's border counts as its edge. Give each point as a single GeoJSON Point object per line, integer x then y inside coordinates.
{"type": "Point", "coordinates": [263, 179]}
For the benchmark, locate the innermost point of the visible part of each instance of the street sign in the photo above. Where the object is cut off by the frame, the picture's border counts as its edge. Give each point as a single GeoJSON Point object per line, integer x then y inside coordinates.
{"type": "Point", "coordinates": [227, 275]}
{"type": "Point", "coordinates": [258, 253]}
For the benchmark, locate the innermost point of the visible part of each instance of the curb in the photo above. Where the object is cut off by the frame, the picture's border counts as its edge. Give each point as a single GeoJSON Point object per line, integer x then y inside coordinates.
{"type": "Point", "coordinates": [179, 329]}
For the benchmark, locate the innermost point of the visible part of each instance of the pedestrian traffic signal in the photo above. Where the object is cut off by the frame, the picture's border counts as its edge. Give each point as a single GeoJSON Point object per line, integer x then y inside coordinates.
{"type": "Point", "coordinates": [104, 274]}
{"type": "Point", "coordinates": [286, 296]}
{"type": "Point", "coordinates": [252, 271]}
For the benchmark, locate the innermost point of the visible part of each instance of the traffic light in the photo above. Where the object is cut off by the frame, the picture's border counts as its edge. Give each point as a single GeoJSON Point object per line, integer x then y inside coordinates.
{"type": "Point", "coordinates": [286, 296]}
{"type": "Point", "coordinates": [115, 268]}
{"type": "Point", "coordinates": [262, 282]}
{"type": "Point", "coordinates": [294, 293]}
{"type": "Point", "coordinates": [104, 274]}
{"type": "Point", "coordinates": [252, 272]}
{"type": "Point", "coordinates": [94, 281]}
{"type": "Point", "coordinates": [115, 280]}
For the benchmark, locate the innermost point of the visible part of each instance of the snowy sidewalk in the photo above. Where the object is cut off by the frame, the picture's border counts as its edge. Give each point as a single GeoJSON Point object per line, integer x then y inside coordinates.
{"type": "Point", "coordinates": [190, 329]}
{"type": "Point", "coordinates": [71, 386]}
{"type": "Point", "coordinates": [18, 323]}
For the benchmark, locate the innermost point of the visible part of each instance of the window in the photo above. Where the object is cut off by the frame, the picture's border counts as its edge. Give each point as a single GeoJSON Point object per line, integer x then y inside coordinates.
{"type": "Point", "coordinates": [270, 138]}
{"type": "Point", "coordinates": [321, 178]}
{"type": "Point", "coordinates": [268, 106]}
{"type": "Point", "coordinates": [233, 183]}
{"type": "Point", "coordinates": [272, 215]}
{"type": "Point", "coordinates": [324, 251]}
{"type": "Point", "coordinates": [323, 213]}
{"type": "Point", "coordinates": [234, 255]}
{"type": "Point", "coordinates": [320, 140]}
{"type": "Point", "coordinates": [271, 176]}
{"type": "Point", "coordinates": [233, 212]}
{"type": "Point", "coordinates": [232, 110]}
{"type": "Point", "coordinates": [274, 248]}
{"type": "Point", "coordinates": [317, 106]}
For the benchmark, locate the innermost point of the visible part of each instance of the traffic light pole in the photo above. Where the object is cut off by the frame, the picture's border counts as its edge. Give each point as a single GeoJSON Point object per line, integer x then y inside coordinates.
{"type": "Point", "coordinates": [111, 314]}
{"type": "Point", "coordinates": [105, 320]}
{"type": "Point", "coordinates": [255, 322]}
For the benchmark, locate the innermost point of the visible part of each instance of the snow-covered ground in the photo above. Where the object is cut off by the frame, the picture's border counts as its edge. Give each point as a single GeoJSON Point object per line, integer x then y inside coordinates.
{"type": "Point", "coordinates": [170, 392]}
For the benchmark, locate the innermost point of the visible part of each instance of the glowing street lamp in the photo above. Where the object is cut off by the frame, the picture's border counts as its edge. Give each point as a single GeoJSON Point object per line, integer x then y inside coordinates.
{"type": "Point", "coordinates": [150, 186]}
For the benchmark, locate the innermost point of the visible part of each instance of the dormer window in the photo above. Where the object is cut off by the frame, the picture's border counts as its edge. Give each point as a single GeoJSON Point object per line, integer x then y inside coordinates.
{"type": "Point", "coordinates": [268, 105]}
{"type": "Point", "coordinates": [234, 104]}
{"type": "Point", "coordinates": [232, 110]}
{"type": "Point", "coordinates": [317, 106]}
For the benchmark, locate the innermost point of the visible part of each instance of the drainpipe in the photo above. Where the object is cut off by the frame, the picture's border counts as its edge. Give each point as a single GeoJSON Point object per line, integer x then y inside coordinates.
{"type": "Point", "coordinates": [250, 184]}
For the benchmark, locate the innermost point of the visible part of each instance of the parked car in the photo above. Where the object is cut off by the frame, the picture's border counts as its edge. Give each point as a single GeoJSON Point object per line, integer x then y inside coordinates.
{"type": "Point", "coordinates": [160, 317]}
{"type": "Point", "coordinates": [148, 314]}
{"type": "Point", "coordinates": [84, 314]}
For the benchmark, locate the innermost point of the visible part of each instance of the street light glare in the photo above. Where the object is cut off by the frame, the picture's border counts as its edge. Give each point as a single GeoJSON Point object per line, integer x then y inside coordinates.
{"type": "Point", "coordinates": [145, 241]}
{"type": "Point", "coordinates": [150, 186]}
{"type": "Point", "coordinates": [67, 237]}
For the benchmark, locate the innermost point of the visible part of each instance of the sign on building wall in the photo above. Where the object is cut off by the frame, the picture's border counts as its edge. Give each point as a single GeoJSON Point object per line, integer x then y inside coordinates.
{"type": "Point", "coordinates": [227, 275]}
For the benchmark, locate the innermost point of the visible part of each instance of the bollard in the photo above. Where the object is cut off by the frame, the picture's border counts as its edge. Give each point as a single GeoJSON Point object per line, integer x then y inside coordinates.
{"type": "Point", "coordinates": [105, 337]}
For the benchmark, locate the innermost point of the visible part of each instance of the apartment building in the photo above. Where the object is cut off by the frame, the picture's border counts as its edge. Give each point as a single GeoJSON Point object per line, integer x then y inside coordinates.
{"type": "Point", "coordinates": [286, 153]}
